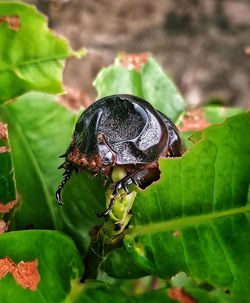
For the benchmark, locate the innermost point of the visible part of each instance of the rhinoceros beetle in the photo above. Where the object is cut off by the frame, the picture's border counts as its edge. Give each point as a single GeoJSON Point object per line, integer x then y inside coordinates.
{"type": "Point", "coordinates": [121, 130]}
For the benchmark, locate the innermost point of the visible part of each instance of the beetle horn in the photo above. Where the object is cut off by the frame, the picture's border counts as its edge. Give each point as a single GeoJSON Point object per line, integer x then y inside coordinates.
{"type": "Point", "coordinates": [67, 175]}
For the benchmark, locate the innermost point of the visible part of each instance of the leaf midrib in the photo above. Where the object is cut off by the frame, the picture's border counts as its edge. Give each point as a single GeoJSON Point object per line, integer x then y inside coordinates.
{"type": "Point", "coordinates": [37, 61]}
{"type": "Point", "coordinates": [184, 221]}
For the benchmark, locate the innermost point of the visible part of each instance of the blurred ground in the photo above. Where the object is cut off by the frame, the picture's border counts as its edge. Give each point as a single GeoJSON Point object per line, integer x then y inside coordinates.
{"type": "Point", "coordinates": [199, 42]}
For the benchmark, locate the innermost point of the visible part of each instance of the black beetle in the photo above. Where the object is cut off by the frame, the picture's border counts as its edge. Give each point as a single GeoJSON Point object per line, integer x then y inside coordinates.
{"type": "Point", "coordinates": [121, 130]}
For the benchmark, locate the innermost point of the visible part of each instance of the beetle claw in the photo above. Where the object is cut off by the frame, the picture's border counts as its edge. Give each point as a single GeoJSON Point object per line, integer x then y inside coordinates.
{"type": "Point", "coordinates": [118, 186]}
{"type": "Point", "coordinates": [136, 182]}
{"type": "Point", "coordinates": [125, 184]}
{"type": "Point", "coordinates": [58, 196]}
{"type": "Point", "coordinates": [107, 210]}
{"type": "Point", "coordinates": [125, 187]}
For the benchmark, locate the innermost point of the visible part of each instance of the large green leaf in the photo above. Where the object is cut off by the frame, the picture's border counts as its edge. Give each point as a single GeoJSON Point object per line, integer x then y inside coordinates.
{"type": "Point", "coordinates": [39, 131]}
{"type": "Point", "coordinates": [59, 265]}
{"type": "Point", "coordinates": [196, 217]}
{"type": "Point", "coordinates": [31, 56]}
{"type": "Point", "coordinates": [149, 82]}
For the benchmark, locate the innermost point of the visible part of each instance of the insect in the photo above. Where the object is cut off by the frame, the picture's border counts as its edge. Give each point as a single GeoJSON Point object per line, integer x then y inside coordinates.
{"type": "Point", "coordinates": [121, 130]}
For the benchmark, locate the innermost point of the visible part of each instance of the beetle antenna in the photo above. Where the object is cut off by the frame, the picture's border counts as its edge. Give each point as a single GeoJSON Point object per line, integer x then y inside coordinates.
{"type": "Point", "coordinates": [67, 174]}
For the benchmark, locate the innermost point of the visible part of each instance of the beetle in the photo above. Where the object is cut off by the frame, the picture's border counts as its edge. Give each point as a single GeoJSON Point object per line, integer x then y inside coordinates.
{"type": "Point", "coordinates": [121, 130]}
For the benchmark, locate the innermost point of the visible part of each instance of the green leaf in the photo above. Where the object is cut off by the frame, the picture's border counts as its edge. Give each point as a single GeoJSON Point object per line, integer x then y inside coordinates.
{"type": "Point", "coordinates": [119, 264]}
{"type": "Point", "coordinates": [161, 90]}
{"type": "Point", "coordinates": [196, 294]}
{"type": "Point", "coordinates": [213, 296]}
{"type": "Point", "coordinates": [116, 79]}
{"type": "Point", "coordinates": [39, 131]}
{"type": "Point", "coordinates": [150, 83]}
{"type": "Point", "coordinates": [59, 266]}
{"type": "Point", "coordinates": [31, 56]}
{"type": "Point", "coordinates": [201, 292]}
{"type": "Point", "coordinates": [218, 114]}
{"type": "Point", "coordinates": [197, 119]}
{"type": "Point", "coordinates": [83, 197]}
{"type": "Point", "coordinates": [102, 293]}
{"type": "Point", "coordinates": [7, 183]}
{"type": "Point", "coordinates": [196, 217]}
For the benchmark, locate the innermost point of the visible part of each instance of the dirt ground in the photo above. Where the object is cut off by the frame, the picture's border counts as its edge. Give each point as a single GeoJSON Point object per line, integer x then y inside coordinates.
{"type": "Point", "coordinates": [202, 44]}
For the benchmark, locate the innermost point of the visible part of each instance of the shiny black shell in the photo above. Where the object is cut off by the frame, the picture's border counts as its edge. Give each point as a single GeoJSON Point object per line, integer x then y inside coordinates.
{"type": "Point", "coordinates": [125, 129]}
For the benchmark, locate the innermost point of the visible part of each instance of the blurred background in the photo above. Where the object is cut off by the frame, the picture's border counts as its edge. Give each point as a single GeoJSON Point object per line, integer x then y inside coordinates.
{"type": "Point", "coordinates": [204, 45]}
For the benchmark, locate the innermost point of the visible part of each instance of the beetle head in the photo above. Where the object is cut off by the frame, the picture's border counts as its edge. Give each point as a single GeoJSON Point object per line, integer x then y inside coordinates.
{"type": "Point", "coordinates": [96, 158]}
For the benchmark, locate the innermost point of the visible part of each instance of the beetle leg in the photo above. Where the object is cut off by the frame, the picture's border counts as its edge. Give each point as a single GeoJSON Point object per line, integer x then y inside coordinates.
{"type": "Point", "coordinates": [115, 193]}
{"type": "Point", "coordinates": [137, 177]}
{"type": "Point", "coordinates": [146, 176]}
{"type": "Point", "coordinates": [141, 178]}
{"type": "Point", "coordinates": [67, 175]}
{"type": "Point", "coordinates": [123, 183]}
